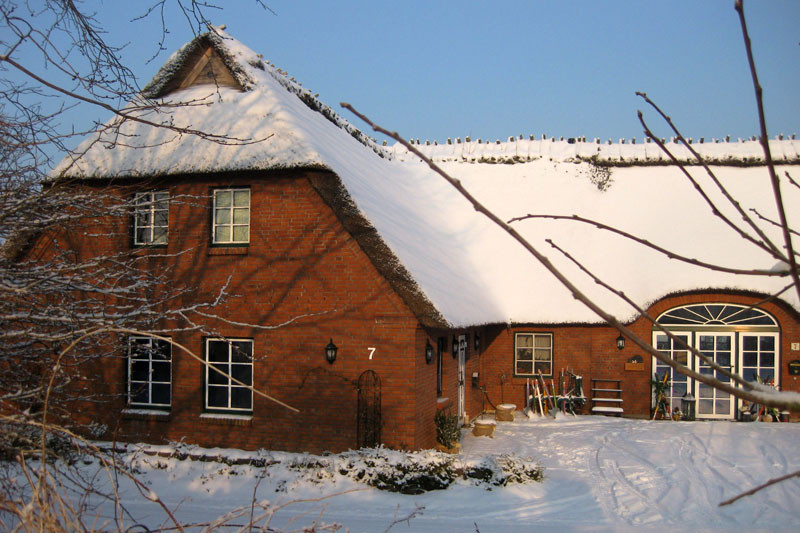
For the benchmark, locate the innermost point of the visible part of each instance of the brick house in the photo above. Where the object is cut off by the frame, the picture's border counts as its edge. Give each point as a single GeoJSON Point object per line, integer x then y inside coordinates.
{"type": "Point", "coordinates": [368, 294]}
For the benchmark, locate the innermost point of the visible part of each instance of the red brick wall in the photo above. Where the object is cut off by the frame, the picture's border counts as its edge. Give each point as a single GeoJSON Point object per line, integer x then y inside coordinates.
{"type": "Point", "coordinates": [591, 352]}
{"type": "Point", "coordinates": [306, 281]}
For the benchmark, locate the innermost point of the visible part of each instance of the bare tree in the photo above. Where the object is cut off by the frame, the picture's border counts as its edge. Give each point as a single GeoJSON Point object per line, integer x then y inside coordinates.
{"type": "Point", "coordinates": [60, 309]}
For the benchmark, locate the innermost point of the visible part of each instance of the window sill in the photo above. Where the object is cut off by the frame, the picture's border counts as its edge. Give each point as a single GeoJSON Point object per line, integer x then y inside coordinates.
{"type": "Point", "coordinates": [225, 250]}
{"type": "Point", "coordinates": [146, 414]}
{"type": "Point", "coordinates": [222, 419]}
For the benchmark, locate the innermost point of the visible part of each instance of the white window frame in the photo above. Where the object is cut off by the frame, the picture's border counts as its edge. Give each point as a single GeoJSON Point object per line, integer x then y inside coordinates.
{"type": "Point", "coordinates": [534, 362]}
{"type": "Point", "coordinates": [232, 368]}
{"type": "Point", "coordinates": [149, 362]}
{"type": "Point", "coordinates": [229, 212]}
{"type": "Point", "coordinates": [148, 207]}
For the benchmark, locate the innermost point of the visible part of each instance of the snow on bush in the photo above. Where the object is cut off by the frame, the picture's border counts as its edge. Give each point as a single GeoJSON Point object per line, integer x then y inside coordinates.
{"type": "Point", "coordinates": [381, 468]}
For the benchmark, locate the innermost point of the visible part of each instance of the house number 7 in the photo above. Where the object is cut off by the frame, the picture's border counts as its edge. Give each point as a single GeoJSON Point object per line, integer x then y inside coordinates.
{"type": "Point", "coordinates": [371, 352]}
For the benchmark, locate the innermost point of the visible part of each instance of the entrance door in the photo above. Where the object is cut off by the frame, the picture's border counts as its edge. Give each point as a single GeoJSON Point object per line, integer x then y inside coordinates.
{"type": "Point", "coordinates": [713, 403]}
{"type": "Point", "coordinates": [462, 359]}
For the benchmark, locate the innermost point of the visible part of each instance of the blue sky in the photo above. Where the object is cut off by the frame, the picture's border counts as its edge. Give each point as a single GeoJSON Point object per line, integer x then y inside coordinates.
{"type": "Point", "coordinates": [438, 69]}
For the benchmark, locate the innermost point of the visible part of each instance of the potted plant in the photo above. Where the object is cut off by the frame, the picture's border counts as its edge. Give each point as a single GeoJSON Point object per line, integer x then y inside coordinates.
{"type": "Point", "coordinates": [448, 432]}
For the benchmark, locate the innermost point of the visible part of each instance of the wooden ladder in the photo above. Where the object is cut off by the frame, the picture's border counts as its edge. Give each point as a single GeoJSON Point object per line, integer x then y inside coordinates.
{"type": "Point", "coordinates": [607, 396]}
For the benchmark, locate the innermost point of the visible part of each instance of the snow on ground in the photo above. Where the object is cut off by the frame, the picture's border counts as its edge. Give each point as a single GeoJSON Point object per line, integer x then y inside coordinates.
{"type": "Point", "coordinates": [601, 474]}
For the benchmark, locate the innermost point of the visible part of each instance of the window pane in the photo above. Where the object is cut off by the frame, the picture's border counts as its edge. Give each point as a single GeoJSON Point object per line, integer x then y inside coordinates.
{"type": "Point", "coordinates": [706, 391]}
{"type": "Point", "coordinates": [544, 368]}
{"type": "Point", "coordinates": [243, 373]}
{"type": "Point", "coordinates": [524, 341]}
{"type": "Point", "coordinates": [241, 198]}
{"type": "Point", "coordinates": [542, 341]}
{"type": "Point", "coordinates": [222, 216]}
{"type": "Point", "coordinates": [241, 351]}
{"type": "Point", "coordinates": [161, 371]}
{"type": "Point", "coordinates": [724, 343]}
{"type": "Point", "coordinates": [524, 354]}
{"type": "Point", "coordinates": [139, 393]}
{"type": "Point", "coordinates": [241, 233]}
{"type": "Point", "coordinates": [161, 393]}
{"type": "Point", "coordinates": [217, 351]}
{"type": "Point", "coordinates": [524, 367]}
{"type": "Point", "coordinates": [724, 358]}
{"type": "Point", "coordinates": [768, 343]}
{"type": "Point", "coordinates": [768, 359]}
{"type": "Point", "coordinates": [142, 235]}
{"type": "Point", "coordinates": [662, 342]}
{"type": "Point", "coordinates": [222, 198]}
{"type": "Point", "coordinates": [222, 234]}
{"type": "Point", "coordinates": [749, 343]}
{"type": "Point", "coordinates": [679, 389]}
{"type": "Point", "coordinates": [159, 235]}
{"type": "Point", "coordinates": [706, 342]}
{"type": "Point", "coordinates": [767, 375]}
{"type": "Point", "coordinates": [218, 397]}
{"type": "Point", "coordinates": [681, 357]}
{"type": "Point", "coordinates": [749, 374]}
{"type": "Point", "coordinates": [542, 354]}
{"type": "Point", "coordinates": [705, 407]}
{"type": "Point", "coordinates": [217, 374]}
{"type": "Point", "coordinates": [140, 370]}
{"type": "Point", "coordinates": [241, 216]}
{"type": "Point", "coordinates": [750, 359]}
{"type": "Point", "coordinates": [723, 407]}
{"type": "Point", "coordinates": [241, 398]}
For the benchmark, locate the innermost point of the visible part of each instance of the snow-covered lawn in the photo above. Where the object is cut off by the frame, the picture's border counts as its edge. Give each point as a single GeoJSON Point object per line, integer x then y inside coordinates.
{"type": "Point", "coordinates": [601, 474]}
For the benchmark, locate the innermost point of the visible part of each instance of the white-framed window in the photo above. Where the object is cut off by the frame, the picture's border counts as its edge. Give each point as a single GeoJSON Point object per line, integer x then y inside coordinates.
{"type": "Point", "coordinates": [229, 374]}
{"type": "Point", "coordinates": [533, 353]}
{"type": "Point", "coordinates": [149, 372]}
{"type": "Point", "coordinates": [151, 218]}
{"type": "Point", "coordinates": [231, 223]}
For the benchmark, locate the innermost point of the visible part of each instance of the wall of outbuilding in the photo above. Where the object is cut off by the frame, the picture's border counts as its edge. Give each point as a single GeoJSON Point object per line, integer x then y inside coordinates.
{"type": "Point", "coordinates": [591, 352]}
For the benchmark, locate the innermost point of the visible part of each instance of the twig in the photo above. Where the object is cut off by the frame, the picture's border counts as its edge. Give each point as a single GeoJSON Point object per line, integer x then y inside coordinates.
{"type": "Point", "coordinates": [760, 487]}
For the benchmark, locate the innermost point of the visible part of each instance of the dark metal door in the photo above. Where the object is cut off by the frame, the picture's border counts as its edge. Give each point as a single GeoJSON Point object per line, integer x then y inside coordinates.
{"type": "Point", "coordinates": [369, 410]}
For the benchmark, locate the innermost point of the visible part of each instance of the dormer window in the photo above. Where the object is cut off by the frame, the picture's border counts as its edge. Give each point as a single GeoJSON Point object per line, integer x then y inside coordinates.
{"type": "Point", "coordinates": [151, 218]}
{"type": "Point", "coordinates": [231, 216]}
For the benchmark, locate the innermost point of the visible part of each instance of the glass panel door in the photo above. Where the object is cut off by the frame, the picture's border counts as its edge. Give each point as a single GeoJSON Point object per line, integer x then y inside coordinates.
{"type": "Point", "coordinates": [718, 347]}
{"type": "Point", "coordinates": [676, 350]}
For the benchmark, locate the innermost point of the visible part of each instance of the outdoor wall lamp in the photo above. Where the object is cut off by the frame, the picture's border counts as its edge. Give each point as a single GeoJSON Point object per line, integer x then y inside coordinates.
{"type": "Point", "coordinates": [330, 352]}
{"type": "Point", "coordinates": [455, 347]}
{"type": "Point", "coordinates": [477, 342]}
{"type": "Point", "coordinates": [428, 352]}
{"type": "Point", "coordinates": [620, 342]}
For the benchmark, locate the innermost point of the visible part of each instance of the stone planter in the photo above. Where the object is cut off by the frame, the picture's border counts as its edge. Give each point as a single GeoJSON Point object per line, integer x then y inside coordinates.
{"type": "Point", "coordinates": [483, 428]}
{"type": "Point", "coordinates": [505, 412]}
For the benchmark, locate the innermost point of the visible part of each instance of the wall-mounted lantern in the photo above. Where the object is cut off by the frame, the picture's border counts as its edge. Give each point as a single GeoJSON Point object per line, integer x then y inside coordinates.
{"type": "Point", "coordinates": [476, 341]}
{"type": "Point", "coordinates": [428, 352]}
{"type": "Point", "coordinates": [454, 347]}
{"type": "Point", "coordinates": [330, 352]}
{"type": "Point", "coordinates": [620, 342]}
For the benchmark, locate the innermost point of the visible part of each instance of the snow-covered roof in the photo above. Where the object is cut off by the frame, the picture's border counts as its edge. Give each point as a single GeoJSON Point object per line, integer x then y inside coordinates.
{"type": "Point", "coordinates": [467, 268]}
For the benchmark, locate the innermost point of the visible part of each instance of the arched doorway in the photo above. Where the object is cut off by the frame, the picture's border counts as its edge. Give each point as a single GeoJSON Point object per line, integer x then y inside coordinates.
{"type": "Point", "coordinates": [746, 340]}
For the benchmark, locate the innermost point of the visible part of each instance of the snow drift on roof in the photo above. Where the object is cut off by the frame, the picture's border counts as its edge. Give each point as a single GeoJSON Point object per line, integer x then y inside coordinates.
{"type": "Point", "coordinates": [471, 271]}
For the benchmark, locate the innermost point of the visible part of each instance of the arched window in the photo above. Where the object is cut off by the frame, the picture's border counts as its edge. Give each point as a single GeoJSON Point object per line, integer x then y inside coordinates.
{"type": "Point", "coordinates": [742, 339]}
